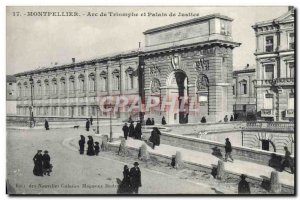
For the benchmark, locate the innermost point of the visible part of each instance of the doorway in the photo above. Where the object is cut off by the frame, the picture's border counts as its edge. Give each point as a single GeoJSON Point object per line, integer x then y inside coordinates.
{"type": "Point", "coordinates": [265, 145]}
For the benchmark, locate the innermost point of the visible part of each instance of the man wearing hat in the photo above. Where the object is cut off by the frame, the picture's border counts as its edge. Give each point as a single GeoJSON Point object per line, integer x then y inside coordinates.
{"type": "Point", "coordinates": [46, 163]}
{"type": "Point", "coordinates": [135, 177]}
{"type": "Point", "coordinates": [228, 150]}
{"type": "Point", "coordinates": [244, 187]}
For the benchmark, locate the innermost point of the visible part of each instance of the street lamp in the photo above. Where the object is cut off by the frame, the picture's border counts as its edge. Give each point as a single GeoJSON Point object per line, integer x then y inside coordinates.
{"type": "Point", "coordinates": [97, 120]}
{"type": "Point", "coordinates": [31, 107]}
{"type": "Point", "coordinates": [110, 126]}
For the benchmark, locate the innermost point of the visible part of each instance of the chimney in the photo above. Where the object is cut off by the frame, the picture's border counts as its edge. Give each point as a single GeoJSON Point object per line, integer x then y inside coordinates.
{"type": "Point", "coordinates": [73, 60]}
{"type": "Point", "coordinates": [291, 8]}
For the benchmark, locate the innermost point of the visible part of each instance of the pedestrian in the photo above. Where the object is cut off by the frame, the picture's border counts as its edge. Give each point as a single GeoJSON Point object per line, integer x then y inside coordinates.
{"type": "Point", "coordinates": [228, 150]}
{"type": "Point", "coordinates": [130, 119]}
{"type": "Point", "coordinates": [148, 122]}
{"type": "Point", "coordinates": [155, 137]}
{"type": "Point", "coordinates": [38, 163]}
{"type": "Point", "coordinates": [81, 143]}
{"type": "Point", "coordinates": [125, 185]}
{"type": "Point", "coordinates": [138, 131]}
{"type": "Point", "coordinates": [125, 131]}
{"type": "Point", "coordinates": [186, 118]}
{"type": "Point", "coordinates": [97, 148]}
{"type": "Point", "coordinates": [90, 143]}
{"type": "Point", "coordinates": [203, 119]}
{"type": "Point", "coordinates": [46, 125]}
{"type": "Point", "coordinates": [231, 118]}
{"type": "Point", "coordinates": [287, 161]}
{"type": "Point", "coordinates": [87, 125]}
{"type": "Point", "coordinates": [131, 129]}
{"type": "Point", "coordinates": [135, 178]}
{"type": "Point", "coordinates": [163, 121]}
{"type": "Point", "coordinates": [152, 122]}
{"type": "Point", "coordinates": [47, 167]}
{"type": "Point", "coordinates": [244, 187]}
{"type": "Point", "coordinates": [225, 118]}
{"type": "Point", "coordinates": [91, 120]}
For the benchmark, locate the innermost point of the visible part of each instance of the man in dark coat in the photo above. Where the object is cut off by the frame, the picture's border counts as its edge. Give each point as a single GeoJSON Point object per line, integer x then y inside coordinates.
{"type": "Point", "coordinates": [131, 129]}
{"type": "Point", "coordinates": [287, 161]}
{"type": "Point", "coordinates": [148, 122]}
{"type": "Point", "coordinates": [155, 137]}
{"type": "Point", "coordinates": [163, 121]}
{"type": "Point", "coordinates": [81, 143]}
{"type": "Point", "coordinates": [47, 167]}
{"type": "Point", "coordinates": [91, 120]}
{"type": "Point", "coordinates": [38, 163]}
{"type": "Point", "coordinates": [87, 125]}
{"type": "Point", "coordinates": [97, 148]}
{"type": "Point", "coordinates": [138, 131]}
{"type": "Point", "coordinates": [244, 187]}
{"type": "Point", "coordinates": [186, 120]}
{"type": "Point", "coordinates": [228, 150]}
{"type": "Point", "coordinates": [135, 178]}
{"type": "Point", "coordinates": [152, 121]}
{"type": "Point", "coordinates": [125, 131]}
{"type": "Point", "coordinates": [46, 125]}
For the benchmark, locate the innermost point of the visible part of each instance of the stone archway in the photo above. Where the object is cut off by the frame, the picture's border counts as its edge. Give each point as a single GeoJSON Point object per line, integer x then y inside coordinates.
{"type": "Point", "coordinates": [177, 91]}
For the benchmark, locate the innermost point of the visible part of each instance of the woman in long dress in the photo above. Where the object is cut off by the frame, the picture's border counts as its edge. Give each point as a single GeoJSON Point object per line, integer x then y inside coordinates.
{"type": "Point", "coordinates": [155, 137]}
{"type": "Point", "coordinates": [38, 163]}
{"type": "Point", "coordinates": [131, 129]}
{"type": "Point", "coordinates": [125, 185]}
{"type": "Point", "coordinates": [90, 143]}
{"type": "Point", "coordinates": [138, 131]}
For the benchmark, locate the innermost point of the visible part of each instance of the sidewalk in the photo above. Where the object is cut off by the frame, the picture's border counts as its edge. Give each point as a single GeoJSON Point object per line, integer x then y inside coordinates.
{"type": "Point", "coordinates": [208, 160]}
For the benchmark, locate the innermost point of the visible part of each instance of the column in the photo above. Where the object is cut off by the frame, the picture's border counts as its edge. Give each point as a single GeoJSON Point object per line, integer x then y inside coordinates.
{"type": "Point", "coordinates": [122, 76]}
{"type": "Point", "coordinates": [109, 77]}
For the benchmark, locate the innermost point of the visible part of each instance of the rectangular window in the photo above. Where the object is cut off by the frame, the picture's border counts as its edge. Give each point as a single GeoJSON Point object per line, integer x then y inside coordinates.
{"type": "Point", "coordinates": [268, 101]}
{"type": "Point", "coordinates": [269, 44]}
{"type": "Point", "coordinates": [82, 111]}
{"type": "Point", "coordinates": [244, 108]}
{"type": "Point", "coordinates": [244, 86]}
{"type": "Point", "coordinates": [10, 83]}
{"type": "Point", "coordinates": [292, 70]}
{"type": "Point", "coordinates": [291, 101]}
{"type": "Point", "coordinates": [291, 41]}
{"type": "Point", "coordinates": [269, 71]}
{"type": "Point", "coordinates": [233, 90]}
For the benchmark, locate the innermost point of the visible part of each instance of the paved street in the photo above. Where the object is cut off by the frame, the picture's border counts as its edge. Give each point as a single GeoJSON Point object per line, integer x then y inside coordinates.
{"type": "Point", "coordinates": [76, 174]}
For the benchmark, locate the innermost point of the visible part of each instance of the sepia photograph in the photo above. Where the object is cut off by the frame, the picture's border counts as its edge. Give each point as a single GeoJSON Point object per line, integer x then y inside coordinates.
{"type": "Point", "coordinates": [150, 100]}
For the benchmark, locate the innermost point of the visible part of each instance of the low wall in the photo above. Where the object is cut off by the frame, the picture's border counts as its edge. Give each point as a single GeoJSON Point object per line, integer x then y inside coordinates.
{"type": "Point", "coordinates": [215, 148]}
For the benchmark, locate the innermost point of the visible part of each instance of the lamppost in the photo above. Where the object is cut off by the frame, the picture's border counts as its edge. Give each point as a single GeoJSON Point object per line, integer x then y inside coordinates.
{"type": "Point", "coordinates": [110, 125]}
{"type": "Point", "coordinates": [97, 120]}
{"type": "Point", "coordinates": [31, 107]}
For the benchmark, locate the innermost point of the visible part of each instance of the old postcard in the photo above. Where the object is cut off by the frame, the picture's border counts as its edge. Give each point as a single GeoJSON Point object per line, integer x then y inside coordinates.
{"type": "Point", "coordinates": [150, 100]}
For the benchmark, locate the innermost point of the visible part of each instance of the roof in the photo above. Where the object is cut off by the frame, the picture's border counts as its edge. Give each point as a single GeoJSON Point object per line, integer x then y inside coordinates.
{"type": "Point", "coordinates": [283, 18]}
{"type": "Point", "coordinates": [248, 70]}
{"type": "Point", "coordinates": [106, 57]}
{"type": "Point", "coordinates": [186, 22]}
{"type": "Point", "coordinates": [11, 78]}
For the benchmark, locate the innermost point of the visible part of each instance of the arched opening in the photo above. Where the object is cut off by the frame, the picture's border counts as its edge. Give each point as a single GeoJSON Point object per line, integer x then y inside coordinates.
{"type": "Point", "coordinates": [177, 85]}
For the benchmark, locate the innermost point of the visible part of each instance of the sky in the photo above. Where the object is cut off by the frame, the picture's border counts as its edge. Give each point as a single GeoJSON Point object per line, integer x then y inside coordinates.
{"type": "Point", "coordinates": [33, 42]}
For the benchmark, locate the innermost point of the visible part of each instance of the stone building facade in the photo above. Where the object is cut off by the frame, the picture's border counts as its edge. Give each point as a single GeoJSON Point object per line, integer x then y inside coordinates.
{"type": "Point", "coordinates": [11, 95]}
{"type": "Point", "coordinates": [275, 71]}
{"type": "Point", "coordinates": [244, 93]}
{"type": "Point", "coordinates": [190, 61]}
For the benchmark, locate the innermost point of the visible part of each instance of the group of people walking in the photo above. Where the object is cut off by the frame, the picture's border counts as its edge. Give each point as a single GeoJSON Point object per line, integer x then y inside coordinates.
{"type": "Point", "coordinates": [93, 147]}
{"type": "Point", "coordinates": [131, 131]}
{"type": "Point", "coordinates": [42, 165]}
{"type": "Point", "coordinates": [131, 180]}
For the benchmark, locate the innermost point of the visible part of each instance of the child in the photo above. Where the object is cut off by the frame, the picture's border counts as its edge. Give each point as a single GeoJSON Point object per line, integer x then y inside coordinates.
{"type": "Point", "coordinates": [97, 148]}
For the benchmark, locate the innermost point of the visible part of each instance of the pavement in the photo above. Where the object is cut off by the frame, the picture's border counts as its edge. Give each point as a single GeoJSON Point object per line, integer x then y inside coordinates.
{"type": "Point", "coordinates": [81, 174]}
{"type": "Point", "coordinates": [205, 159]}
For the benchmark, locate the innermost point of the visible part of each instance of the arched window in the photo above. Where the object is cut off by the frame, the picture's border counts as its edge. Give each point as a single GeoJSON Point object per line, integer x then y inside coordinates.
{"type": "Point", "coordinates": [116, 79]}
{"type": "Point", "coordinates": [92, 82]}
{"type": "Point", "coordinates": [103, 81]}
{"type": "Point", "coordinates": [26, 90]}
{"type": "Point", "coordinates": [81, 83]}
{"type": "Point", "coordinates": [129, 78]}
{"type": "Point", "coordinates": [72, 85]}
{"type": "Point", "coordinates": [54, 86]}
{"type": "Point", "coordinates": [19, 89]}
{"type": "Point", "coordinates": [63, 88]}
{"type": "Point", "coordinates": [47, 88]}
{"type": "Point", "coordinates": [39, 88]}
